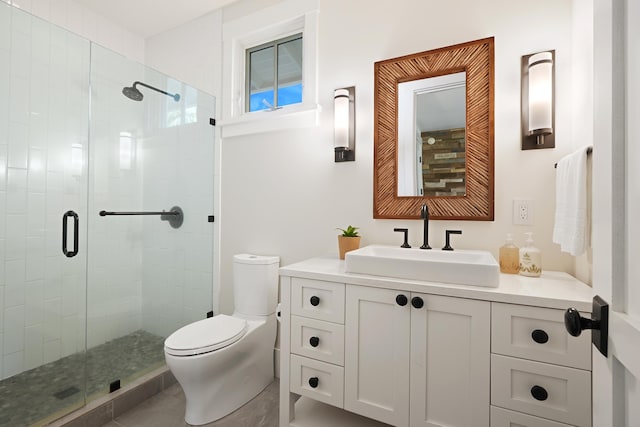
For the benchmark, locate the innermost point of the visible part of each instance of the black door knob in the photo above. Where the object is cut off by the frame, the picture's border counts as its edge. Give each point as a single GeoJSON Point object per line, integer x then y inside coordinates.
{"type": "Point", "coordinates": [314, 300]}
{"type": "Point", "coordinates": [539, 336]}
{"type": "Point", "coordinates": [402, 300]}
{"type": "Point", "coordinates": [314, 341]}
{"type": "Point", "coordinates": [539, 393]}
{"type": "Point", "coordinates": [575, 323]}
{"type": "Point", "coordinates": [599, 322]}
{"type": "Point", "coordinates": [417, 302]}
{"type": "Point", "coordinates": [313, 382]}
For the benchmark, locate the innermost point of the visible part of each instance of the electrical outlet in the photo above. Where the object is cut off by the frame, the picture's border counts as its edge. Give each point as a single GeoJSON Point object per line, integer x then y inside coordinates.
{"type": "Point", "coordinates": [523, 212]}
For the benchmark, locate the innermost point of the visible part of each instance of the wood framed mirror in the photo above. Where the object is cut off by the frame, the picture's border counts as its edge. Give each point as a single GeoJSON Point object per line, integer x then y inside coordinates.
{"type": "Point", "coordinates": [447, 162]}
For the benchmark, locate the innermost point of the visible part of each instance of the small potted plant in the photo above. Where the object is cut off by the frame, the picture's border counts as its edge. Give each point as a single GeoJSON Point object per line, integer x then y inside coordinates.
{"type": "Point", "coordinates": [349, 240]}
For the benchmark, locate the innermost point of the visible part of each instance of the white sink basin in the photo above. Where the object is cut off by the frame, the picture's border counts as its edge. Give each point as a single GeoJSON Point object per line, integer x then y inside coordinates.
{"type": "Point", "coordinates": [462, 267]}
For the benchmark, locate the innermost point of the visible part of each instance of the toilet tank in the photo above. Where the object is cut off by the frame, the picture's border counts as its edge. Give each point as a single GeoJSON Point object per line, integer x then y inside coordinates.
{"type": "Point", "coordinates": [255, 284]}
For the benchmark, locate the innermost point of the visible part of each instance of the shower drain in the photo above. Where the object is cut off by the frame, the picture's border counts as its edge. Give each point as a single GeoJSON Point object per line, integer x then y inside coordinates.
{"type": "Point", "coordinates": [63, 394]}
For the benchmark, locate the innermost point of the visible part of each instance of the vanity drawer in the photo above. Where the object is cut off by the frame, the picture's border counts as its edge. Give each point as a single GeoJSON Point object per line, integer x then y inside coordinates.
{"type": "Point", "coordinates": [329, 385]}
{"type": "Point", "coordinates": [504, 418]}
{"type": "Point", "coordinates": [317, 339]}
{"type": "Point", "coordinates": [561, 394]}
{"type": "Point", "coordinates": [537, 333]}
{"type": "Point", "coordinates": [317, 299]}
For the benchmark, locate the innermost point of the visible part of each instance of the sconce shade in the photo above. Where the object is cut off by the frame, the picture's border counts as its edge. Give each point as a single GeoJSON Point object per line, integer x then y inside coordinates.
{"type": "Point", "coordinates": [344, 124]}
{"type": "Point", "coordinates": [537, 100]}
{"type": "Point", "coordinates": [540, 93]}
{"type": "Point", "coordinates": [341, 118]}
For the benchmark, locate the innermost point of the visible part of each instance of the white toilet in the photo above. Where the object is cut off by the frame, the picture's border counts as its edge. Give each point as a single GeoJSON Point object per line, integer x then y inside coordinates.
{"type": "Point", "coordinates": [224, 361]}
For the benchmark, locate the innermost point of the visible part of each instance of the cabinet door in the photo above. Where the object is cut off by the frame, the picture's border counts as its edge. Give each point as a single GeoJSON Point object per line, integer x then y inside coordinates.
{"type": "Point", "coordinates": [450, 362]}
{"type": "Point", "coordinates": [376, 366]}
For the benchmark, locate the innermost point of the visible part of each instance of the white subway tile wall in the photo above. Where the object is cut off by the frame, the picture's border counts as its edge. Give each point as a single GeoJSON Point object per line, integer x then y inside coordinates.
{"type": "Point", "coordinates": [135, 272]}
{"type": "Point", "coordinates": [80, 20]}
{"type": "Point", "coordinates": [45, 85]}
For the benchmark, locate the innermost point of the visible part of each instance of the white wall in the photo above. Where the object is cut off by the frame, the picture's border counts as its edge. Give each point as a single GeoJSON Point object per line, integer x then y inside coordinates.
{"type": "Point", "coordinates": [281, 192]}
{"type": "Point", "coordinates": [76, 18]}
{"type": "Point", "coordinates": [583, 108]}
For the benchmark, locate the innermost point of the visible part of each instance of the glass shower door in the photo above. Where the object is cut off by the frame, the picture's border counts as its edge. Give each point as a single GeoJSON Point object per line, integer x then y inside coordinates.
{"type": "Point", "coordinates": [44, 98]}
{"type": "Point", "coordinates": [151, 195]}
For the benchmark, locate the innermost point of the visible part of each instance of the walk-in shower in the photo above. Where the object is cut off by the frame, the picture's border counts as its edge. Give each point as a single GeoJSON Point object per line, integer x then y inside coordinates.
{"type": "Point", "coordinates": [86, 300]}
{"type": "Point", "coordinates": [132, 92]}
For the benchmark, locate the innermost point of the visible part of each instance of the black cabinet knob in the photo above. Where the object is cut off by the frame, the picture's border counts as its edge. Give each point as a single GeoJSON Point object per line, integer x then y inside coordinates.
{"type": "Point", "coordinates": [417, 302]}
{"type": "Point", "coordinates": [314, 300]}
{"type": "Point", "coordinates": [313, 382]}
{"type": "Point", "coordinates": [539, 336]}
{"type": "Point", "coordinates": [402, 300]}
{"type": "Point", "coordinates": [539, 393]}
{"type": "Point", "coordinates": [314, 341]}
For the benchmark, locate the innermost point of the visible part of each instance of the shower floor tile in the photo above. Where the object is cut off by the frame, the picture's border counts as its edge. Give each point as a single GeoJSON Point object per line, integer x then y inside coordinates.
{"type": "Point", "coordinates": [34, 395]}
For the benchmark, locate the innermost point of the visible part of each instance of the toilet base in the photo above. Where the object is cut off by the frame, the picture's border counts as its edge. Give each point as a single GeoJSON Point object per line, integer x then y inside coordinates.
{"type": "Point", "coordinates": [217, 383]}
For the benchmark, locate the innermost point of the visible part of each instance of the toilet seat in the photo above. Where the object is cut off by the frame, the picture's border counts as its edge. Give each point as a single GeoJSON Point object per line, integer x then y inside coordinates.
{"type": "Point", "coordinates": [205, 335]}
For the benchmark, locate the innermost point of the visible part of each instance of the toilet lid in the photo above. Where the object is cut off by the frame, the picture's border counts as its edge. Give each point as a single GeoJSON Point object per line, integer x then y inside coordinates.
{"type": "Point", "coordinates": [205, 335]}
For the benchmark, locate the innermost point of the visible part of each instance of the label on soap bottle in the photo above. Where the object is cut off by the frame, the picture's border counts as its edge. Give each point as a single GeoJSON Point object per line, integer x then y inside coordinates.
{"type": "Point", "coordinates": [530, 263]}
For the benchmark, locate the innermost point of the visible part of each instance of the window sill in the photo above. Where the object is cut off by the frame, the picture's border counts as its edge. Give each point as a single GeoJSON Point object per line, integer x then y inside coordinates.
{"type": "Point", "coordinates": [292, 117]}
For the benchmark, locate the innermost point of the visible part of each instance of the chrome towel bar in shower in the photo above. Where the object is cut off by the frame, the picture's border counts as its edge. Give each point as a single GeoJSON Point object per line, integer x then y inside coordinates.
{"type": "Point", "coordinates": [174, 216]}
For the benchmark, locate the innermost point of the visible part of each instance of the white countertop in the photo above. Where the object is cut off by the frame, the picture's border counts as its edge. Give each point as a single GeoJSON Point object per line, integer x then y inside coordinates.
{"type": "Point", "coordinates": [553, 289]}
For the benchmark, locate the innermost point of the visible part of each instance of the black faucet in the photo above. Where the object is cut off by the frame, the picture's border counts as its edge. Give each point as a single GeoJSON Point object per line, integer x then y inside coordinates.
{"type": "Point", "coordinates": [424, 214]}
{"type": "Point", "coordinates": [406, 236]}
{"type": "Point", "coordinates": [447, 246]}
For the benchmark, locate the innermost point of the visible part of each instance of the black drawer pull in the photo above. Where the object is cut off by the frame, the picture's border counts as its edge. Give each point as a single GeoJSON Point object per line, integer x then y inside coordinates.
{"type": "Point", "coordinates": [402, 300]}
{"type": "Point", "coordinates": [314, 300]}
{"type": "Point", "coordinates": [417, 302]}
{"type": "Point", "coordinates": [313, 382]}
{"type": "Point", "coordinates": [314, 341]}
{"type": "Point", "coordinates": [539, 393]}
{"type": "Point", "coordinates": [540, 336]}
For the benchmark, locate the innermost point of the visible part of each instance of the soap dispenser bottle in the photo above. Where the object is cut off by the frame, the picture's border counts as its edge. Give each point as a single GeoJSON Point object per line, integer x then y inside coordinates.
{"type": "Point", "coordinates": [530, 258]}
{"type": "Point", "coordinates": [509, 257]}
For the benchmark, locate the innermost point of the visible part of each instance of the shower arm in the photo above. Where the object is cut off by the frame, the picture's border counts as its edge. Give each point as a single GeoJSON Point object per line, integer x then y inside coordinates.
{"type": "Point", "coordinates": [154, 88]}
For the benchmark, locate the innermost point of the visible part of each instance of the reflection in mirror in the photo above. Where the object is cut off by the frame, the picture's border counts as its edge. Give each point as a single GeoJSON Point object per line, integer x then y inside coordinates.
{"type": "Point", "coordinates": [431, 136]}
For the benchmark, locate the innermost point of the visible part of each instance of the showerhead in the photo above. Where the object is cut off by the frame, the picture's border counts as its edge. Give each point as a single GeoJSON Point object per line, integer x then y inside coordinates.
{"type": "Point", "coordinates": [133, 93]}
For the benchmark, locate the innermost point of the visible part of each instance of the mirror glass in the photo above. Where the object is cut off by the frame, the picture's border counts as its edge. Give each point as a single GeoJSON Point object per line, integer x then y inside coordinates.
{"type": "Point", "coordinates": [431, 136]}
{"type": "Point", "coordinates": [433, 133]}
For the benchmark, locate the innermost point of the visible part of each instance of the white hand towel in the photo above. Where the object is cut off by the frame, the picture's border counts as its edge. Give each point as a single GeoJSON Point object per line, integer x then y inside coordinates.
{"type": "Point", "coordinates": [570, 229]}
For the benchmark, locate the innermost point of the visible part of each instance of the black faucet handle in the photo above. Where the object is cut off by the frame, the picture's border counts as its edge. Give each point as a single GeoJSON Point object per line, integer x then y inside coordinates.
{"type": "Point", "coordinates": [406, 236]}
{"type": "Point", "coordinates": [448, 233]}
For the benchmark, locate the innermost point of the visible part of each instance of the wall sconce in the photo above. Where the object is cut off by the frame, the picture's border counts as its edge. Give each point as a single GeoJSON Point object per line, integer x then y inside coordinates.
{"type": "Point", "coordinates": [344, 122]}
{"type": "Point", "coordinates": [538, 112]}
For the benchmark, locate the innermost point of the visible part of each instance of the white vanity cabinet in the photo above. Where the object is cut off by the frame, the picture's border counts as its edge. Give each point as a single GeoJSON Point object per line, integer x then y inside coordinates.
{"type": "Point", "coordinates": [416, 359]}
{"type": "Point", "coordinates": [538, 369]}
{"type": "Point", "coordinates": [362, 351]}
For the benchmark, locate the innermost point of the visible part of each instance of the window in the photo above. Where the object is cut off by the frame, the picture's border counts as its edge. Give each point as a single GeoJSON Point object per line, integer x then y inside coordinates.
{"type": "Point", "coordinates": [285, 37]}
{"type": "Point", "coordinates": [274, 74]}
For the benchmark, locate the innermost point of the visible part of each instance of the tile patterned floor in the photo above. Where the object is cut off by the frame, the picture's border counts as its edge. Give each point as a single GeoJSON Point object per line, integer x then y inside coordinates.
{"type": "Point", "coordinates": [166, 409]}
{"type": "Point", "coordinates": [33, 395]}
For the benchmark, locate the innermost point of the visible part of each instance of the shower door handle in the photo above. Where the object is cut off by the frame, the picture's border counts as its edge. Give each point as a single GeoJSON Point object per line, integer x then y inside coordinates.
{"type": "Point", "coordinates": [65, 220]}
